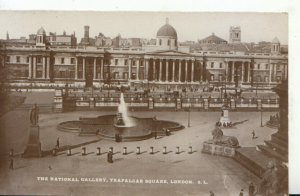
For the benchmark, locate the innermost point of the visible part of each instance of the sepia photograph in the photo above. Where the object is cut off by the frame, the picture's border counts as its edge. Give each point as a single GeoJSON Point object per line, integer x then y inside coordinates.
{"type": "Point", "coordinates": [144, 103]}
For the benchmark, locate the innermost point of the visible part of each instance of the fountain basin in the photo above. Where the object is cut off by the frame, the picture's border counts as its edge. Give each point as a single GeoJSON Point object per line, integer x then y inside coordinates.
{"type": "Point", "coordinates": [105, 127]}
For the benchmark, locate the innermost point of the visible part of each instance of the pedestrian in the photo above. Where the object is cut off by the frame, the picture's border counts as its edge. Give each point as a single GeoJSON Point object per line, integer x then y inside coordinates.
{"type": "Point", "coordinates": [110, 157]}
{"type": "Point", "coordinates": [251, 189]}
{"type": "Point", "coordinates": [241, 193]}
{"type": "Point", "coordinates": [11, 163]}
{"type": "Point", "coordinates": [253, 134]}
{"type": "Point", "coordinates": [211, 193]}
{"type": "Point", "coordinates": [57, 142]}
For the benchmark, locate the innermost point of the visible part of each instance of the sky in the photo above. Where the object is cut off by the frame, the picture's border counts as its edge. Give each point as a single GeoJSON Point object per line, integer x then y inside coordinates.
{"type": "Point", "coordinates": [190, 26]}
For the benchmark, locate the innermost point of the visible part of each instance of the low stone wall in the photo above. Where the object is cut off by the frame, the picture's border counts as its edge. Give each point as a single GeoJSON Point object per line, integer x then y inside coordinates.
{"type": "Point", "coordinates": [214, 149]}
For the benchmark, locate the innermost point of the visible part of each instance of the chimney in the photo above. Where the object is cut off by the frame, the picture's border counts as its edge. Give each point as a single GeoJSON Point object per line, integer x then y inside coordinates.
{"type": "Point", "coordinates": [86, 33]}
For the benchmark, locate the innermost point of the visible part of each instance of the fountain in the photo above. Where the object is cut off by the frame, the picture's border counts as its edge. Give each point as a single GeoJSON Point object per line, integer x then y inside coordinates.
{"type": "Point", "coordinates": [119, 127]}
{"type": "Point", "coordinates": [123, 120]}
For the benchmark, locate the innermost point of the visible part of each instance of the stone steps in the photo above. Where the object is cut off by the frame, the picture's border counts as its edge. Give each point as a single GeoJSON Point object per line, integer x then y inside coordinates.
{"type": "Point", "coordinates": [273, 153]}
{"type": "Point", "coordinates": [279, 148]}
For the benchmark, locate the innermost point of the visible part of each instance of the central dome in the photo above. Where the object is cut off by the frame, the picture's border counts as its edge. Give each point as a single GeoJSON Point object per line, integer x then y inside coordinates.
{"type": "Point", "coordinates": [167, 31]}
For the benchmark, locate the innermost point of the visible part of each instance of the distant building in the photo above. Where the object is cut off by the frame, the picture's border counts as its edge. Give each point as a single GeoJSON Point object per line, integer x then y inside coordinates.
{"type": "Point", "coordinates": [62, 40]}
{"type": "Point", "coordinates": [161, 60]}
{"type": "Point", "coordinates": [235, 34]}
{"type": "Point", "coordinates": [212, 39]}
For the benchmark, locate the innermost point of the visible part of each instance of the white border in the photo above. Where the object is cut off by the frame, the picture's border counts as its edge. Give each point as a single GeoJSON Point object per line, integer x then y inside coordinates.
{"type": "Point", "coordinates": [290, 6]}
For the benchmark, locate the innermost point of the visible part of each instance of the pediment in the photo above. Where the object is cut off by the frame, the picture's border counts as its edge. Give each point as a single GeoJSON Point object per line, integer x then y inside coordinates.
{"type": "Point", "coordinates": [168, 53]}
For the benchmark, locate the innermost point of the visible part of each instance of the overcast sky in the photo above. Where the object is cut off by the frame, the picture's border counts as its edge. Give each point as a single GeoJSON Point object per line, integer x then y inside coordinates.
{"type": "Point", "coordinates": [189, 26]}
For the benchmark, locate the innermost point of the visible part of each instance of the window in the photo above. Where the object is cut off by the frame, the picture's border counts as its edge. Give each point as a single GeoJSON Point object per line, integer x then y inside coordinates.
{"type": "Point", "coordinates": [267, 66]}
{"type": "Point", "coordinates": [62, 60]}
{"type": "Point", "coordinates": [169, 42]}
{"type": "Point", "coordinates": [39, 59]}
{"type": "Point", "coordinates": [258, 66]}
{"type": "Point", "coordinates": [27, 59]}
{"type": "Point", "coordinates": [221, 65]}
{"type": "Point", "coordinates": [175, 42]}
{"type": "Point", "coordinates": [8, 59]}
{"type": "Point", "coordinates": [160, 42]}
{"type": "Point", "coordinates": [72, 60]}
{"type": "Point", "coordinates": [116, 61]}
{"type": "Point", "coordinates": [133, 62]}
{"type": "Point", "coordinates": [126, 62]}
{"type": "Point", "coordinates": [212, 65]}
{"type": "Point", "coordinates": [18, 59]}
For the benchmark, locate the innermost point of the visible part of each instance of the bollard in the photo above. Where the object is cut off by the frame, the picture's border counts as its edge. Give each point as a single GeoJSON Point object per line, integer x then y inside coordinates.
{"type": "Point", "coordinates": [69, 153]}
{"type": "Point", "coordinates": [191, 149]}
{"type": "Point", "coordinates": [178, 150]}
{"type": "Point", "coordinates": [111, 149]}
{"type": "Point", "coordinates": [124, 150]}
{"type": "Point", "coordinates": [98, 151]}
{"type": "Point", "coordinates": [83, 151]}
{"type": "Point", "coordinates": [151, 148]}
{"type": "Point", "coordinates": [165, 150]}
{"type": "Point", "coordinates": [11, 153]}
{"type": "Point", "coordinates": [54, 152]}
{"type": "Point", "coordinates": [138, 150]}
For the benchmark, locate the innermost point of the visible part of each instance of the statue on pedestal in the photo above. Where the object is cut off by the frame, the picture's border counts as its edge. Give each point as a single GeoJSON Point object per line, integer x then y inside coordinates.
{"type": "Point", "coordinates": [34, 115]}
{"type": "Point", "coordinates": [220, 139]}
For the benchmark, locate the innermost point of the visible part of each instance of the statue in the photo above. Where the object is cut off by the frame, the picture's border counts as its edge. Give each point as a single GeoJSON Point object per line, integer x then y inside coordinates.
{"type": "Point", "coordinates": [273, 182]}
{"type": "Point", "coordinates": [220, 139]}
{"type": "Point", "coordinates": [34, 115]}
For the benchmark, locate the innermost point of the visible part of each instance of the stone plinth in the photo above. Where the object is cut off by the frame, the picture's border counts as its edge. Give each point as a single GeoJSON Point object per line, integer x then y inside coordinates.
{"type": "Point", "coordinates": [214, 149]}
{"type": "Point", "coordinates": [33, 148]}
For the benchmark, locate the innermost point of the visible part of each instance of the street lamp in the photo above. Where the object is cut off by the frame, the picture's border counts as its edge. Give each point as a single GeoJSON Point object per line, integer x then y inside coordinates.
{"type": "Point", "coordinates": [261, 114]}
{"type": "Point", "coordinates": [189, 116]}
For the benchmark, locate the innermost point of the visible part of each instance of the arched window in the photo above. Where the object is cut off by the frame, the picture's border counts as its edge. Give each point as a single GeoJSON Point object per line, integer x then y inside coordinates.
{"type": "Point", "coordinates": [160, 42]}
{"type": "Point", "coordinates": [169, 42]}
{"type": "Point", "coordinates": [175, 42]}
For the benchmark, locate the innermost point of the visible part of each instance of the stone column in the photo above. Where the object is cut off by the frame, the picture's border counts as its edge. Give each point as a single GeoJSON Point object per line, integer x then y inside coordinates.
{"type": "Point", "coordinates": [243, 70]}
{"type": "Point", "coordinates": [95, 70]}
{"type": "Point", "coordinates": [179, 72]}
{"type": "Point", "coordinates": [275, 71]}
{"type": "Point", "coordinates": [34, 67]}
{"type": "Point", "coordinates": [160, 69]}
{"type": "Point", "coordinates": [249, 72]}
{"type": "Point", "coordinates": [173, 70]}
{"type": "Point", "coordinates": [48, 68]}
{"type": "Point", "coordinates": [270, 73]}
{"type": "Point", "coordinates": [154, 69]}
{"type": "Point", "coordinates": [146, 69]}
{"type": "Point", "coordinates": [186, 70]}
{"type": "Point", "coordinates": [167, 70]}
{"type": "Point", "coordinates": [232, 72]}
{"type": "Point", "coordinates": [76, 69]}
{"type": "Point", "coordinates": [129, 69]}
{"type": "Point", "coordinates": [138, 69]}
{"type": "Point", "coordinates": [44, 68]}
{"type": "Point", "coordinates": [30, 68]}
{"type": "Point", "coordinates": [102, 69]}
{"type": "Point", "coordinates": [83, 68]}
{"type": "Point", "coordinates": [192, 72]}
{"type": "Point", "coordinates": [226, 71]}
{"type": "Point", "coordinates": [201, 71]}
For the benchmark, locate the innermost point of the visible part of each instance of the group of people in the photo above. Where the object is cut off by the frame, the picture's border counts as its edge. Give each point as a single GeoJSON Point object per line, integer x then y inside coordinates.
{"type": "Point", "coordinates": [251, 191]}
{"type": "Point", "coordinates": [224, 124]}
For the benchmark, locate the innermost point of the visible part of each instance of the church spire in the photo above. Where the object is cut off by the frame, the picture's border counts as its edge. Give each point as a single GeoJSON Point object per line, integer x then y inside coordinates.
{"type": "Point", "coordinates": [7, 35]}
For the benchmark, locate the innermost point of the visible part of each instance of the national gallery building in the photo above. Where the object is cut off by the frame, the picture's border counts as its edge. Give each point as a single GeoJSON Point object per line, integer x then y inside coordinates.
{"type": "Point", "coordinates": [168, 61]}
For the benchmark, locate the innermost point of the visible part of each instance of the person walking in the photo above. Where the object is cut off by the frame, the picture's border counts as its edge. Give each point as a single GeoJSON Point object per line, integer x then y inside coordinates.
{"type": "Point", "coordinates": [11, 163]}
{"type": "Point", "coordinates": [57, 142]}
{"type": "Point", "coordinates": [211, 193]}
{"type": "Point", "coordinates": [241, 193]}
{"type": "Point", "coordinates": [253, 134]}
{"type": "Point", "coordinates": [251, 189]}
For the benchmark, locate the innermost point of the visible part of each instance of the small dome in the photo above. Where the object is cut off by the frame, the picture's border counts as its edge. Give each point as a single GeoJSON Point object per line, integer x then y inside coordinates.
{"type": "Point", "coordinates": [41, 31]}
{"type": "Point", "coordinates": [167, 31]}
{"type": "Point", "coordinates": [276, 41]}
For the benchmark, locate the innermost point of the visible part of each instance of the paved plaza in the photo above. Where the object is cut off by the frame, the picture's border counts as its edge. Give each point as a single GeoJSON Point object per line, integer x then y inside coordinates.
{"type": "Point", "coordinates": [131, 174]}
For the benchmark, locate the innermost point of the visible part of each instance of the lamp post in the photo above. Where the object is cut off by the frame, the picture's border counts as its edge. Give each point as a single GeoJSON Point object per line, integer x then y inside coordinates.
{"type": "Point", "coordinates": [189, 116]}
{"type": "Point", "coordinates": [261, 121]}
